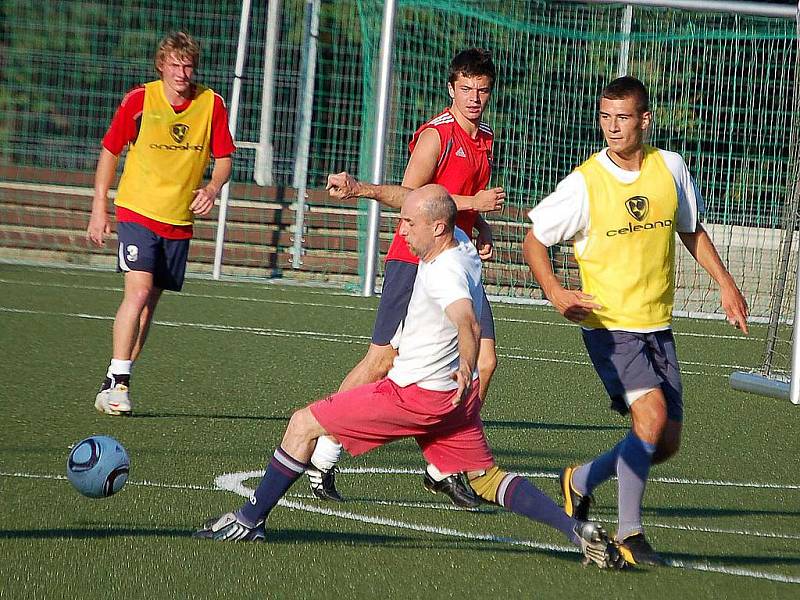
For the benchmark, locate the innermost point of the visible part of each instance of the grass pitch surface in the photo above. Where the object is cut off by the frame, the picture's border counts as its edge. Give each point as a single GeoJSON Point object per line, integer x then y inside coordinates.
{"type": "Point", "coordinates": [225, 365]}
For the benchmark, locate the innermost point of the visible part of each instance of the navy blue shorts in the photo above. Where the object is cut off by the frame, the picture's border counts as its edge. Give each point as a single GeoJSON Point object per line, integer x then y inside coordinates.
{"type": "Point", "coordinates": [398, 283]}
{"type": "Point", "coordinates": [142, 250]}
{"type": "Point", "coordinates": [630, 363]}
{"type": "Point", "coordinates": [487, 320]}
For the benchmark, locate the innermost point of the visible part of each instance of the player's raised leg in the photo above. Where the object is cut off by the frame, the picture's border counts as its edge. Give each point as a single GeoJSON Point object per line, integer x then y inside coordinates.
{"type": "Point", "coordinates": [518, 495]}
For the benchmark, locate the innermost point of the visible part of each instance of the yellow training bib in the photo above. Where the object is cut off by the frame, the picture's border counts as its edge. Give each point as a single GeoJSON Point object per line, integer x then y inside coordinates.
{"type": "Point", "coordinates": [628, 261]}
{"type": "Point", "coordinates": [166, 162]}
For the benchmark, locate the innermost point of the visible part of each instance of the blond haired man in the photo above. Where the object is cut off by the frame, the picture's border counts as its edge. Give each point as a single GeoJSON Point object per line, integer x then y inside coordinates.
{"type": "Point", "coordinates": [172, 127]}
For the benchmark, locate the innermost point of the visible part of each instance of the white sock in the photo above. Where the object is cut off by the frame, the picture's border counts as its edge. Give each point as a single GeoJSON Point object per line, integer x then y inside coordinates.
{"type": "Point", "coordinates": [326, 453]}
{"type": "Point", "coordinates": [436, 474]}
{"type": "Point", "coordinates": [119, 367]}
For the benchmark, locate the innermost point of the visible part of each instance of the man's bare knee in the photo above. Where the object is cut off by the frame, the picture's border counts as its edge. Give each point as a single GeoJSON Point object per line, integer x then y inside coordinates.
{"type": "Point", "coordinates": [301, 435]}
{"type": "Point", "coordinates": [136, 297]}
{"type": "Point", "coordinates": [304, 426]}
{"type": "Point", "coordinates": [649, 416]}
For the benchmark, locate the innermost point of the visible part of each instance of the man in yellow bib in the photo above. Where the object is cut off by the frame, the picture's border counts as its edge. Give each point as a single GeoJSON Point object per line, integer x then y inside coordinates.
{"type": "Point", "coordinates": [171, 127]}
{"type": "Point", "coordinates": [622, 208]}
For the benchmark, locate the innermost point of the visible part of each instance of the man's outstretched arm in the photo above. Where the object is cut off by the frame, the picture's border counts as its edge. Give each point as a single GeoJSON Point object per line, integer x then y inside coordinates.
{"type": "Point", "coordinates": [344, 186]}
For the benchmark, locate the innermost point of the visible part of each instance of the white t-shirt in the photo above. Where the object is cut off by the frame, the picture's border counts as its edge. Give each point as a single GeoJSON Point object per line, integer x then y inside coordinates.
{"type": "Point", "coordinates": [428, 345]}
{"type": "Point", "coordinates": [564, 214]}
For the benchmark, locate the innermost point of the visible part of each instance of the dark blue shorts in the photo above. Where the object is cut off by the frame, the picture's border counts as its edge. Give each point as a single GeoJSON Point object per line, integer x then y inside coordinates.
{"type": "Point", "coordinates": [629, 363]}
{"type": "Point", "coordinates": [398, 283]}
{"type": "Point", "coordinates": [487, 320]}
{"type": "Point", "coordinates": [142, 250]}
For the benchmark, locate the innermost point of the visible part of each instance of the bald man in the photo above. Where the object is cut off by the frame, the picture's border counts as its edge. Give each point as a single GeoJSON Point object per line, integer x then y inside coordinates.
{"type": "Point", "coordinates": [431, 394]}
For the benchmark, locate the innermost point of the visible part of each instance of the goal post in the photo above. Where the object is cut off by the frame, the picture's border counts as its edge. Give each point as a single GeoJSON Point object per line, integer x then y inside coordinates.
{"type": "Point", "coordinates": [779, 375]}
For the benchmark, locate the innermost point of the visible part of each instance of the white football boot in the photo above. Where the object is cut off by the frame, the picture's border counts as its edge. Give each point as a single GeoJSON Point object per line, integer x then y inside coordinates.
{"type": "Point", "coordinates": [113, 398]}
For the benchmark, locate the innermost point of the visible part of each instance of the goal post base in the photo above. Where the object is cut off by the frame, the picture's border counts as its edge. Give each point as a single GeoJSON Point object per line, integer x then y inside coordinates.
{"type": "Point", "coordinates": [758, 384]}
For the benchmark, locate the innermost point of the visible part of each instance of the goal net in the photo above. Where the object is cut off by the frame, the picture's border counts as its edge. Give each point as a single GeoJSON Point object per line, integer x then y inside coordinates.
{"type": "Point", "coordinates": [779, 375]}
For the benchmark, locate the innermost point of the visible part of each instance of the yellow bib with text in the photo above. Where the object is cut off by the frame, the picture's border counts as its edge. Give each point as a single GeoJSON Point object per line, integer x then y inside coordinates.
{"type": "Point", "coordinates": [628, 261]}
{"type": "Point", "coordinates": [166, 162]}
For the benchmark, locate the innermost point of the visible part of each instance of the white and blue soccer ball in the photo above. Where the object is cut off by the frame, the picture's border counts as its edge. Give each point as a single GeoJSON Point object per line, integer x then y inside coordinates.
{"type": "Point", "coordinates": [98, 466]}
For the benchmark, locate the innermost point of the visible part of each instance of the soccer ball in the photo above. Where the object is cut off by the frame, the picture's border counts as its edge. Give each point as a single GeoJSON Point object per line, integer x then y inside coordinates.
{"type": "Point", "coordinates": [98, 466]}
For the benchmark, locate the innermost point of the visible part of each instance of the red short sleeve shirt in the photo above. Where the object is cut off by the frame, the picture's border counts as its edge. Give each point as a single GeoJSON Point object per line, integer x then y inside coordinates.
{"type": "Point", "coordinates": [463, 168]}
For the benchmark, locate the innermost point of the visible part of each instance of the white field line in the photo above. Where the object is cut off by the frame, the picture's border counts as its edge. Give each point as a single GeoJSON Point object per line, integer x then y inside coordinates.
{"type": "Point", "coordinates": [325, 337]}
{"type": "Point", "coordinates": [331, 290]}
{"type": "Point", "coordinates": [444, 506]}
{"type": "Point", "coordinates": [581, 354]}
{"type": "Point", "coordinates": [144, 483]}
{"type": "Point", "coordinates": [99, 288]}
{"type": "Point", "coordinates": [436, 506]}
{"type": "Point", "coordinates": [740, 532]}
{"type": "Point", "coordinates": [713, 336]}
{"type": "Point", "coordinates": [549, 475]}
{"type": "Point", "coordinates": [528, 474]}
{"type": "Point", "coordinates": [334, 337]}
{"type": "Point", "coordinates": [741, 338]}
{"type": "Point", "coordinates": [232, 482]}
{"type": "Point", "coordinates": [86, 271]}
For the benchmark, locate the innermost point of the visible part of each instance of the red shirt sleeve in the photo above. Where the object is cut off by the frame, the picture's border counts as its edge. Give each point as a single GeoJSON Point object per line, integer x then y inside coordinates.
{"type": "Point", "coordinates": [125, 125]}
{"type": "Point", "coordinates": [221, 141]}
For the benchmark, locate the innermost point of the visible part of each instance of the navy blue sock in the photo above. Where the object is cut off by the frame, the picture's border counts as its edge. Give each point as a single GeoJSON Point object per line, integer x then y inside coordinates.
{"type": "Point", "coordinates": [282, 471]}
{"type": "Point", "coordinates": [524, 498]}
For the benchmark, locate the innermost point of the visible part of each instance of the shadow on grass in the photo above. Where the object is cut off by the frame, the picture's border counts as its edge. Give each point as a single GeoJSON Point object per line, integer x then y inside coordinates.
{"type": "Point", "coordinates": [714, 512]}
{"type": "Point", "coordinates": [490, 424]}
{"type": "Point", "coordinates": [293, 536]}
{"type": "Point", "coordinates": [277, 536]}
{"type": "Point", "coordinates": [91, 533]}
{"type": "Point", "coordinates": [729, 560]}
{"type": "Point", "coordinates": [606, 510]}
{"type": "Point", "coordinates": [163, 415]}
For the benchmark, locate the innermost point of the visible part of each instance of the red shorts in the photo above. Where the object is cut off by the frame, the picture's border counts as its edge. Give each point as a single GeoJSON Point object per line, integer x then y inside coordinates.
{"type": "Point", "coordinates": [451, 437]}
